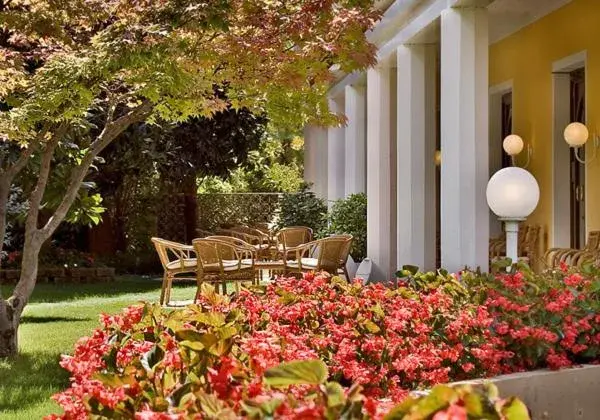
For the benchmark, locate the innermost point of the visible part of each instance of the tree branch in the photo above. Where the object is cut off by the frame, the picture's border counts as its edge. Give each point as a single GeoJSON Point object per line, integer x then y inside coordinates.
{"type": "Point", "coordinates": [108, 134]}
{"type": "Point", "coordinates": [113, 128]}
{"type": "Point", "coordinates": [37, 194]}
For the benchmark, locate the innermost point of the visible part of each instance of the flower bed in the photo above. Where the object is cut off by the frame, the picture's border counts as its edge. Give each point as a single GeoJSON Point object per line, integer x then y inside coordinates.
{"type": "Point", "coordinates": [58, 265]}
{"type": "Point", "coordinates": [222, 358]}
{"type": "Point", "coordinates": [63, 275]}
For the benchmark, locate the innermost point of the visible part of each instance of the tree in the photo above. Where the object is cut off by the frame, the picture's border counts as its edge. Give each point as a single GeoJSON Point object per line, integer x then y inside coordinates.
{"type": "Point", "coordinates": [146, 157]}
{"type": "Point", "coordinates": [274, 166]}
{"type": "Point", "coordinates": [77, 73]}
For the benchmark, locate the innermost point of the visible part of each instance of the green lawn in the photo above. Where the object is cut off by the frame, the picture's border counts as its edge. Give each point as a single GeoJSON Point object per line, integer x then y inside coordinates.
{"type": "Point", "coordinates": [56, 317]}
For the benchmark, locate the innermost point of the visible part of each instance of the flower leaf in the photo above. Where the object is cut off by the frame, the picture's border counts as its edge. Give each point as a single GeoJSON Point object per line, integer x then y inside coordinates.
{"type": "Point", "coordinates": [299, 372]}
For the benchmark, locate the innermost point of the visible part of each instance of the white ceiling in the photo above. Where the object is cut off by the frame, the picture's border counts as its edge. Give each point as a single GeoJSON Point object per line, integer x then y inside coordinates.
{"type": "Point", "coordinates": [508, 16]}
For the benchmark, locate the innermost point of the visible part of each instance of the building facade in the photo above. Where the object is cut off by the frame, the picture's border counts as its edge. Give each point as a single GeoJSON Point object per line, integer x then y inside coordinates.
{"type": "Point", "coordinates": [457, 76]}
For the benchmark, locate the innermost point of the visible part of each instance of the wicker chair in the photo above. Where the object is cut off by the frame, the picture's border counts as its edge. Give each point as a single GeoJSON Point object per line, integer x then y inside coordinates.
{"type": "Point", "coordinates": [530, 244]}
{"type": "Point", "coordinates": [554, 256]}
{"type": "Point", "coordinates": [529, 240]}
{"type": "Point", "coordinates": [176, 259]}
{"type": "Point", "coordinates": [290, 238]}
{"type": "Point", "coordinates": [220, 261]}
{"type": "Point", "coordinates": [256, 238]}
{"type": "Point", "coordinates": [327, 254]}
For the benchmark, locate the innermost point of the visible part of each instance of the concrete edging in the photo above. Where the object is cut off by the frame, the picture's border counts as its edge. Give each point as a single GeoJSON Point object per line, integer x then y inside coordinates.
{"type": "Point", "coordinates": [567, 394]}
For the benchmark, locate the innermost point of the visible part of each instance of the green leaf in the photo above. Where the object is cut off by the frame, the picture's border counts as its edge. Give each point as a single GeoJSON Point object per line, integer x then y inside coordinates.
{"type": "Point", "coordinates": [152, 357]}
{"type": "Point", "coordinates": [378, 310]}
{"type": "Point", "coordinates": [300, 372]}
{"type": "Point", "coordinates": [335, 394]}
{"type": "Point", "coordinates": [474, 403]}
{"type": "Point", "coordinates": [210, 404]}
{"type": "Point", "coordinates": [400, 410]}
{"type": "Point", "coordinates": [213, 319]}
{"type": "Point", "coordinates": [515, 409]}
{"type": "Point", "coordinates": [188, 334]}
{"type": "Point", "coordinates": [412, 269]}
{"type": "Point", "coordinates": [192, 345]}
{"type": "Point", "coordinates": [372, 327]}
{"type": "Point", "coordinates": [227, 332]}
{"type": "Point", "coordinates": [111, 379]}
{"type": "Point", "coordinates": [441, 396]}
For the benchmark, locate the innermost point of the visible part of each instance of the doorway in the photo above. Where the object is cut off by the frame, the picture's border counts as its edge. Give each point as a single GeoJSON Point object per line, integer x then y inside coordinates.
{"type": "Point", "coordinates": [568, 175]}
{"type": "Point", "coordinates": [577, 172]}
{"type": "Point", "coordinates": [507, 127]}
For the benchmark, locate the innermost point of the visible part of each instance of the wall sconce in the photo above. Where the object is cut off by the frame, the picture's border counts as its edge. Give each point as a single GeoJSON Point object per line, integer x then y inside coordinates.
{"type": "Point", "coordinates": [576, 135]}
{"type": "Point", "coordinates": [437, 158]}
{"type": "Point", "coordinates": [513, 145]}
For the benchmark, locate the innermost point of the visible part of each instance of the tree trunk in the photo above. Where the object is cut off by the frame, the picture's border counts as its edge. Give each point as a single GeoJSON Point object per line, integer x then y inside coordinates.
{"type": "Point", "coordinates": [12, 309]}
{"type": "Point", "coordinates": [9, 324]}
{"type": "Point", "coordinates": [4, 193]}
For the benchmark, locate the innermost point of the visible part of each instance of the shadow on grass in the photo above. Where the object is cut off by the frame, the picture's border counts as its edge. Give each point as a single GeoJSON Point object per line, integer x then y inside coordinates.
{"type": "Point", "coordinates": [62, 292]}
{"type": "Point", "coordinates": [47, 319]}
{"type": "Point", "coordinates": [30, 379]}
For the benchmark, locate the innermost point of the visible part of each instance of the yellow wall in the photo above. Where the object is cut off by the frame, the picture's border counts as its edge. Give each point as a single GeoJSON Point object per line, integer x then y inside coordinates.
{"type": "Point", "coordinates": [526, 58]}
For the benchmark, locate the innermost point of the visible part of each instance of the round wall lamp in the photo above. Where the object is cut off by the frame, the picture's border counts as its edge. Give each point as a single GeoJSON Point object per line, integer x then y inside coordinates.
{"type": "Point", "coordinates": [576, 135]}
{"type": "Point", "coordinates": [513, 145]}
{"type": "Point", "coordinates": [512, 194]}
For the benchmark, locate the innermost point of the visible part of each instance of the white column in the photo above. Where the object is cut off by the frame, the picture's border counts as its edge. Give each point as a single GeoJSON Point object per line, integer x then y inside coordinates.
{"type": "Point", "coordinates": [356, 137]}
{"type": "Point", "coordinates": [379, 185]}
{"type": "Point", "coordinates": [464, 138]}
{"type": "Point", "coordinates": [336, 154]}
{"type": "Point", "coordinates": [416, 201]}
{"type": "Point", "coordinates": [310, 157]}
{"type": "Point", "coordinates": [318, 147]}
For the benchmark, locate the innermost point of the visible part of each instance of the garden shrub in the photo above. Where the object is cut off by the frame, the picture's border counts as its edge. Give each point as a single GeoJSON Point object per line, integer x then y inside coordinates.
{"type": "Point", "coordinates": [54, 256]}
{"type": "Point", "coordinates": [303, 209]}
{"type": "Point", "coordinates": [377, 343]}
{"type": "Point", "coordinates": [349, 215]}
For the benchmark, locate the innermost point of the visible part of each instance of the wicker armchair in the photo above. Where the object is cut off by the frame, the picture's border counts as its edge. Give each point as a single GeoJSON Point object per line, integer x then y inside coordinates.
{"type": "Point", "coordinates": [554, 256]}
{"type": "Point", "coordinates": [290, 238]}
{"type": "Point", "coordinates": [529, 240]}
{"type": "Point", "coordinates": [327, 254]}
{"type": "Point", "coordinates": [256, 238]}
{"type": "Point", "coordinates": [221, 261]}
{"type": "Point", "coordinates": [176, 259]}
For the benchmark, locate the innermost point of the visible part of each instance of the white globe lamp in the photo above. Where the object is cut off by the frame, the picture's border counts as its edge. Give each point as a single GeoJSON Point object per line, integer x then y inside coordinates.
{"type": "Point", "coordinates": [512, 194]}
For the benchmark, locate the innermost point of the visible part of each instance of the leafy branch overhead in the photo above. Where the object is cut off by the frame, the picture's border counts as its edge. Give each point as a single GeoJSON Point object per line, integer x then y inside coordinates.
{"type": "Point", "coordinates": [274, 57]}
{"type": "Point", "coordinates": [81, 72]}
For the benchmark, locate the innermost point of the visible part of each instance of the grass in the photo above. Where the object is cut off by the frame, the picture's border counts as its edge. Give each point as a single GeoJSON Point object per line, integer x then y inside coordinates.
{"type": "Point", "coordinates": [56, 317]}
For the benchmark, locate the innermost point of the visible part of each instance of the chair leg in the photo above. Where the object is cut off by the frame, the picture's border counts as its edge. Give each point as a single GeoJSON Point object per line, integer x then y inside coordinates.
{"type": "Point", "coordinates": [198, 287]}
{"type": "Point", "coordinates": [168, 290]}
{"type": "Point", "coordinates": [163, 288]}
{"type": "Point", "coordinates": [348, 279]}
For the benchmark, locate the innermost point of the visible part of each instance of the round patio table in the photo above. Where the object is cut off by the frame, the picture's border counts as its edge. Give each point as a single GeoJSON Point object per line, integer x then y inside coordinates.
{"type": "Point", "coordinates": [267, 265]}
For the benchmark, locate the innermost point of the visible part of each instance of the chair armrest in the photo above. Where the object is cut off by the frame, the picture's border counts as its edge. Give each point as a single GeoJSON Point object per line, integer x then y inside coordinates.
{"type": "Point", "coordinates": [303, 249]}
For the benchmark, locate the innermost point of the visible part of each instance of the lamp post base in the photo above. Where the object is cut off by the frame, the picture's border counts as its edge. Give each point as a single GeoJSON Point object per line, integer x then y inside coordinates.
{"type": "Point", "coordinates": [512, 238]}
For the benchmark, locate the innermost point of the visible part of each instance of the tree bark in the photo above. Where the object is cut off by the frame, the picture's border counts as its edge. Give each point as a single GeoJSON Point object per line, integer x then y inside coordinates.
{"type": "Point", "coordinates": [10, 315]}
